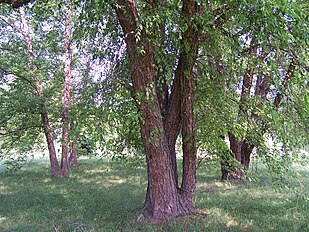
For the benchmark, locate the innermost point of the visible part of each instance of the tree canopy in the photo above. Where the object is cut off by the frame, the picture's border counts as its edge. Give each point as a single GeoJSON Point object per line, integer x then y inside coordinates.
{"type": "Point", "coordinates": [227, 80]}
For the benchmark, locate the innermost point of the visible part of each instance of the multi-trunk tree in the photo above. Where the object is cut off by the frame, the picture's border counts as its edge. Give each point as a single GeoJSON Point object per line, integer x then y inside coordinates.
{"type": "Point", "coordinates": [38, 81]}
{"type": "Point", "coordinates": [164, 110]}
{"type": "Point", "coordinates": [258, 62]}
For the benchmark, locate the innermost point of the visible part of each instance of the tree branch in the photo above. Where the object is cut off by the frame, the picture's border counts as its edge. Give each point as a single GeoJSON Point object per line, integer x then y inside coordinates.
{"type": "Point", "coordinates": [6, 21]}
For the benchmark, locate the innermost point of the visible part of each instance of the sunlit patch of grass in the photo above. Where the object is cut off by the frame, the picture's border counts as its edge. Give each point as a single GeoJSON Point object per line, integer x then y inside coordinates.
{"type": "Point", "coordinates": [107, 196]}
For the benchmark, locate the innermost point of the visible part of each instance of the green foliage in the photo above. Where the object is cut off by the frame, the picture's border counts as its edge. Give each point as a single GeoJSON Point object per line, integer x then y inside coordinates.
{"type": "Point", "coordinates": [225, 57]}
{"type": "Point", "coordinates": [104, 110]}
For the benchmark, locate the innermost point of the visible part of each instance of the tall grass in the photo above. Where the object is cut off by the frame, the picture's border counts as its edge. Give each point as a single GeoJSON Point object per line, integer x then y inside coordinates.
{"type": "Point", "coordinates": [108, 196]}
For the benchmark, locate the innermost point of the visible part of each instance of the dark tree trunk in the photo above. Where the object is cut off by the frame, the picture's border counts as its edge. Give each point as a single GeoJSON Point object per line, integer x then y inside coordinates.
{"type": "Point", "coordinates": [226, 162]}
{"type": "Point", "coordinates": [54, 165]}
{"type": "Point", "coordinates": [172, 120]}
{"type": "Point", "coordinates": [73, 154]}
{"type": "Point", "coordinates": [188, 142]}
{"type": "Point", "coordinates": [242, 148]}
{"type": "Point", "coordinates": [238, 146]}
{"type": "Point", "coordinates": [169, 107]}
{"type": "Point", "coordinates": [241, 152]}
{"type": "Point", "coordinates": [246, 155]}
{"type": "Point", "coordinates": [160, 128]}
{"type": "Point", "coordinates": [236, 149]}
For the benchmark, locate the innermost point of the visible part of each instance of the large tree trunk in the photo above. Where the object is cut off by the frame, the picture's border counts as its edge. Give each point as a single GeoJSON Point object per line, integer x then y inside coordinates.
{"type": "Point", "coordinates": [55, 169]}
{"type": "Point", "coordinates": [163, 197]}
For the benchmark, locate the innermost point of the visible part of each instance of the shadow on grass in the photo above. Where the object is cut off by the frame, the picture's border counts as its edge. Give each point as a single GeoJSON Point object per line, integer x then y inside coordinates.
{"type": "Point", "coordinates": [97, 196]}
{"type": "Point", "coordinates": [102, 196]}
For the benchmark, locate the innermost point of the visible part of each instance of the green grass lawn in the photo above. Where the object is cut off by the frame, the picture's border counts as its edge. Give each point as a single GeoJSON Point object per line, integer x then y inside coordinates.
{"type": "Point", "coordinates": [105, 196]}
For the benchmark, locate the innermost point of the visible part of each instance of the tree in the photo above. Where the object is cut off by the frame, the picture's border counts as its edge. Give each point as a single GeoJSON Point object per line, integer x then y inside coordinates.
{"type": "Point", "coordinates": [253, 67]}
{"type": "Point", "coordinates": [161, 119]}
{"type": "Point", "coordinates": [228, 65]}
{"type": "Point", "coordinates": [37, 82]}
{"type": "Point", "coordinates": [37, 86]}
{"type": "Point", "coordinates": [67, 88]}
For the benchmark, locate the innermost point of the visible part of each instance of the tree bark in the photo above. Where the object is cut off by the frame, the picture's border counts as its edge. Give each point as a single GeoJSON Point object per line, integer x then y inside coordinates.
{"type": "Point", "coordinates": [67, 89]}
{"type": "Point", "coordinates": [242, 148]}
{"type": "Point", "coordinates": [239, 146]}
{"type": "Point", "coordinates": [163, 200]}
{"type": "Point", "coordinates": [73, 154]}
{"type": "Point", "coordinates": [55, 169]}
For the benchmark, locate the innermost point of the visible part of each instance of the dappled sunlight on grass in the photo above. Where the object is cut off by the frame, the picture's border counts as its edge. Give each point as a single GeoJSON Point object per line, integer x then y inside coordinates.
{"type": "Point", "coordinates": [106, 196]}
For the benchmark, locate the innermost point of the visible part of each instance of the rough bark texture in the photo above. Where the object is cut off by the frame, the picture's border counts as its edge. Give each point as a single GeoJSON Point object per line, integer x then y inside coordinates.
{"type": "Point", "coordinates": [169, 106]}
{"type": "Point", "coordinates": [188, 56]}
{"type": "Point", "coordinates": [67, 89]}
{"type": "Point", "coordinates": [55, 169]}
{"type": "Point", "coordinates": [160, 128]}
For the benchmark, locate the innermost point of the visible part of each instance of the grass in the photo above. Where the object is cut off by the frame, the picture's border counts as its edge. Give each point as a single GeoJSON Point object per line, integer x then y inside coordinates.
{"type": "Point", "coordinates": [106, 196]}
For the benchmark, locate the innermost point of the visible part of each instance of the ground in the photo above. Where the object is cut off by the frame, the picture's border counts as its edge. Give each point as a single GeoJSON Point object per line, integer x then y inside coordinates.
{"type": "Point", "coordinates": [108, 196]}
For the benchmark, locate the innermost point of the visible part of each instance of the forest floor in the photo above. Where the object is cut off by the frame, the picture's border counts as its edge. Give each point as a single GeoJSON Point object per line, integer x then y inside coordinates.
{"type": "Point", "coordinates": [108, 196]}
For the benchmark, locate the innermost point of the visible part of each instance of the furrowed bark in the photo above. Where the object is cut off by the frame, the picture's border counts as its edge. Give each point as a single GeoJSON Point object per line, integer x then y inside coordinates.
{"type": "Point", "coordinates": [163, 199]}
{"type": "Point", "coordinates": [189, 55]}
{"type": "Point", "coordinates": [169, 106]}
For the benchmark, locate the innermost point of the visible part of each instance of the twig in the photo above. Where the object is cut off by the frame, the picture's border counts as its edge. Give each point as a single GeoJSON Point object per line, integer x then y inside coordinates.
{"type": "Point", "coordinates": [11, 25]}
{"type": "Point", "coordinates": [76, 225]}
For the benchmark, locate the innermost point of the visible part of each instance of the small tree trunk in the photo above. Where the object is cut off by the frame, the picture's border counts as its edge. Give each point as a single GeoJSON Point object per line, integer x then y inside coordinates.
{"type": "Point", "coordinates": [67, 88]}
{"type": "Point", "coordinates": [241, 151]}
{"type": "Point", "coordinates": [55, 169]}
{"type": "Point", "coordinates": [246, 154]}
{"type": "Point", "coordinates": [54, 165]}
{"type": "Point", "coordinates": [226, 160]}
{"type": "Point", "coordinates": [73, 154]}
{"type": "Point", "coordinates": [236, 148]}
{"type": "Point", "coordinates": [188, 143]}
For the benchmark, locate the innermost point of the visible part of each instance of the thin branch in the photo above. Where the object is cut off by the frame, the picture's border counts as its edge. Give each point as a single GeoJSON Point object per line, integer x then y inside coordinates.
{"type": "Point", "coordinates": [76, 225]}
{"type": "Point", "coordinates": [18, 130]}
{"type": "Point", "coordinates": [17, 75]}
{"type": "Point", "coordinates": [6, 21]}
